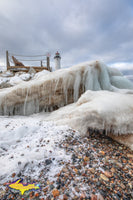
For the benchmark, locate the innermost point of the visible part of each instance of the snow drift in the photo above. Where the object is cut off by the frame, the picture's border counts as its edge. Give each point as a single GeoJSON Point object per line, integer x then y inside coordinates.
{"type": "Point", "coordinates": [59, 88]}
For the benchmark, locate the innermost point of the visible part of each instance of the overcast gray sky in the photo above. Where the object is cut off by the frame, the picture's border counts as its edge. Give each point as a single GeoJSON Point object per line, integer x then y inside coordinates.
{"type": "Point", "coordinates": [81, 30]}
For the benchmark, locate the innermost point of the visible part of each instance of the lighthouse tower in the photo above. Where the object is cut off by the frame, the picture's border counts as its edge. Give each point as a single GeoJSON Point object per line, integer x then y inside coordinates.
{"type": "Point", "coordinates": [57, 59]}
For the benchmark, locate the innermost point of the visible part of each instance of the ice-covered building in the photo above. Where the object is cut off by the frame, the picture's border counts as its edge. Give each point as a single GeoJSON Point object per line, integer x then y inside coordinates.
{"type": "Point", "coordinates": [57, 59]}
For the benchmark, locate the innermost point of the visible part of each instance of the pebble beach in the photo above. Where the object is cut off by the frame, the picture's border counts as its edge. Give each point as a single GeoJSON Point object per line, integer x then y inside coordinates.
{"type": "Point", "coordinates": [99, 168]}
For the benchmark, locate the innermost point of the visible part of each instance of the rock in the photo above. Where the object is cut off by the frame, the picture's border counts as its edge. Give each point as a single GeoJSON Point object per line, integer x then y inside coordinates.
{"type": "Point", "coordinates": [82, 196]}
{"type": "Point", "coordinates": [48, 161]}
{"type": "Point", "coordinates": [102, 152]}
{"type": "Point", "coordinates": [119, 164]}
{"type": "Point", "coordinates": [86, 158]}
{"type": "Point", "coordinates": [91, 170]}
{"type": "Point", "coordinates": [55, 193]}
{"type": "Point", "coordinates": [113, 170]}
{"type": "Point", "coordinates": [105, 178]}
{"type": "Point", "coordinates": [51, 187]}
{"type": "Point", "coordinates": [130, 155]}
{"type": "Point", "coordinates": [77, 189]}
{"type": "Point", "coordinates": [123, 186]}
{"type": "Point", "coordinates": [94, 197]}
{"type": "Point", "coordinates": [100, 197]}
{"type": "Point", "coordinates": [13, 175]}
{"type": "Point", "coordinates": [65, 197]}
{"type": "Point", "coordinates": [108, 174]}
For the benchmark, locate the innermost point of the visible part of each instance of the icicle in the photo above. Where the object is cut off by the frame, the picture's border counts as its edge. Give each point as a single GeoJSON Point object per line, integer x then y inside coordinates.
{"type": "Point", "coordinates": [77, 84]}
{"type": "Point", "coordinates": [25, 103]}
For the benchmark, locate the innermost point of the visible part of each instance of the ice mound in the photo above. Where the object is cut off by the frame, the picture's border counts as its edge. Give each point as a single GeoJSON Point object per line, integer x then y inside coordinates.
{"type": "Point", "coordinates": [103, 111]}
{"type": "Point", "coordinates": [54, 90]}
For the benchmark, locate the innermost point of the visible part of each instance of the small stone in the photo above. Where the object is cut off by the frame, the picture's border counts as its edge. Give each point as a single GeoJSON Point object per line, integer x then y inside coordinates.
{"type": "Point", "coordinates": [123, 186]}
{"type": "Point", "coordinates": [119, 194]}
{"type": "Point", "coordinates": [82, 196]}
{"type": "Point", "coordinates": [55, 193]}
{"type": "Point", "coordinates": [98, 183]}
{"type": "Point", "coordinates": [105, 178]}
{"type": "Point", "coordinates": [130, 155]}
{"type": "Point", "coordinates": [87, 154]}
{"type": "Point", "coordinates": [86, 158]}
{"type": "Point", "coordinates": [13, 175]}
{"type": "Point", "coordinates": [19, 162]}
{"type": "Point", "coordinates": [91, 170]}
{"type": "Point", "coordinates": [124, 161]}
{"type": "Point", "coordinates": [119, 164]}
{"type": "Point", "coordinates": [113, 170]}
{"type": "Point", "coordinates": [65, 197]}
{"type": "Point", "coordinates": [76, 171]}
{"type": "Point", "coordinates": [37, 195]}
{"type": "Point", "coordinates": [93, 197]}
{"type": "Point", "coordinates": [64, 170]}
{"type": "Point", "coordinates": [51, 187]}
{"type": "Point", "coordinates": [100, 197]}
{"type": "Point", "coordinates": [77, 189]}
{"type": "Point", "coordinates": [108, 174]}
{"type": "Point", "coordinates": [130, 185]}
{"type": "Point", "coordinates": [48, 161]}
{"type": "Point", "coordinates": [45, 189]}
{"type": "Point", "coordinates": [31, 194]}
{"type": "Point", "coordinates": [102, 152]}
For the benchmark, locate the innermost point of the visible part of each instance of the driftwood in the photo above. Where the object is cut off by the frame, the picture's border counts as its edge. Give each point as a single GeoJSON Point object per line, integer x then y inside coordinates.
{"type": "Point", "coordinates": [16, 62]}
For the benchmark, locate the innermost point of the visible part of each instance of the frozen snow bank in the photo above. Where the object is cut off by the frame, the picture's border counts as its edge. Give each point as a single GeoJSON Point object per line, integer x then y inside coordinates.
{"type": "Point", "coordinates": [25, 142]}
{"type": "Point", "coordinates": [40, 74]}
{"type": "Point", "coordinates": [54, 90]}
{"type": "Point", "coordinates": [102, 110]}
{"type": "Point", "coordinates": [6, 81]}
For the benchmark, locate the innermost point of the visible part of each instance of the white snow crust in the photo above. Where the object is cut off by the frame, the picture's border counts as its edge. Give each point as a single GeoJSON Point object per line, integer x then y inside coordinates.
{"type": "Point", "coordinates": [29, 141]}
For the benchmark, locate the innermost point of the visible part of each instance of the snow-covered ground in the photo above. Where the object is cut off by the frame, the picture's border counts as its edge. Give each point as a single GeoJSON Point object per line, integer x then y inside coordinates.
{"type": "Point", "coordinates": [28, 142]}
{"type": "Point", "coordinates": [10, 79]}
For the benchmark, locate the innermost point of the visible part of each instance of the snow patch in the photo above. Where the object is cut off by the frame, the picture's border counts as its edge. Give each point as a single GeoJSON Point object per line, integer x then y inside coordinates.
{"type": "Point", "coordinates": [28, 141]}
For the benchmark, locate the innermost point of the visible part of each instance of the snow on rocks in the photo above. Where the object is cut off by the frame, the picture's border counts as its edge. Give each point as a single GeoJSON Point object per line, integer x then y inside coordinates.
{"type": "Point", "coordinates": [41, 74]}
{"type": "Point", "coordinates": [7, 81]}
{"type": "Point", "coordinates": [98, 168]}
{"type": "Point", "coordinates": [26, 144]}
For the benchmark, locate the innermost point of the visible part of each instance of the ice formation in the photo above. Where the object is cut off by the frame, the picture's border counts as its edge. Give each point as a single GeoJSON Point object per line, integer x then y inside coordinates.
{"type": "Point", "coordinates": [54, 90]}
{"type": "Point", "coordinates": [104, 111]}
{"type": "Point", "coordinates": [99, 97]}
{"type": "Point", "coordinates": [98, 110]}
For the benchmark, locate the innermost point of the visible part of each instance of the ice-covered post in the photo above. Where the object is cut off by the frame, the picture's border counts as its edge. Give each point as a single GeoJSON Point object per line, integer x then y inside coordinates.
{"type": "Point", "coordinates": [48, 62]}
{"type": "Point", "coordinates": [7, 60]}
{"type": "Point", "coordinates": [57, 59]}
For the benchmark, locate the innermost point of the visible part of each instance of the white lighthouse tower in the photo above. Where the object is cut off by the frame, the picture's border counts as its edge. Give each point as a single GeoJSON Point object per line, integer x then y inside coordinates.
{"type": "Point", "coordinates": [57, 59]}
